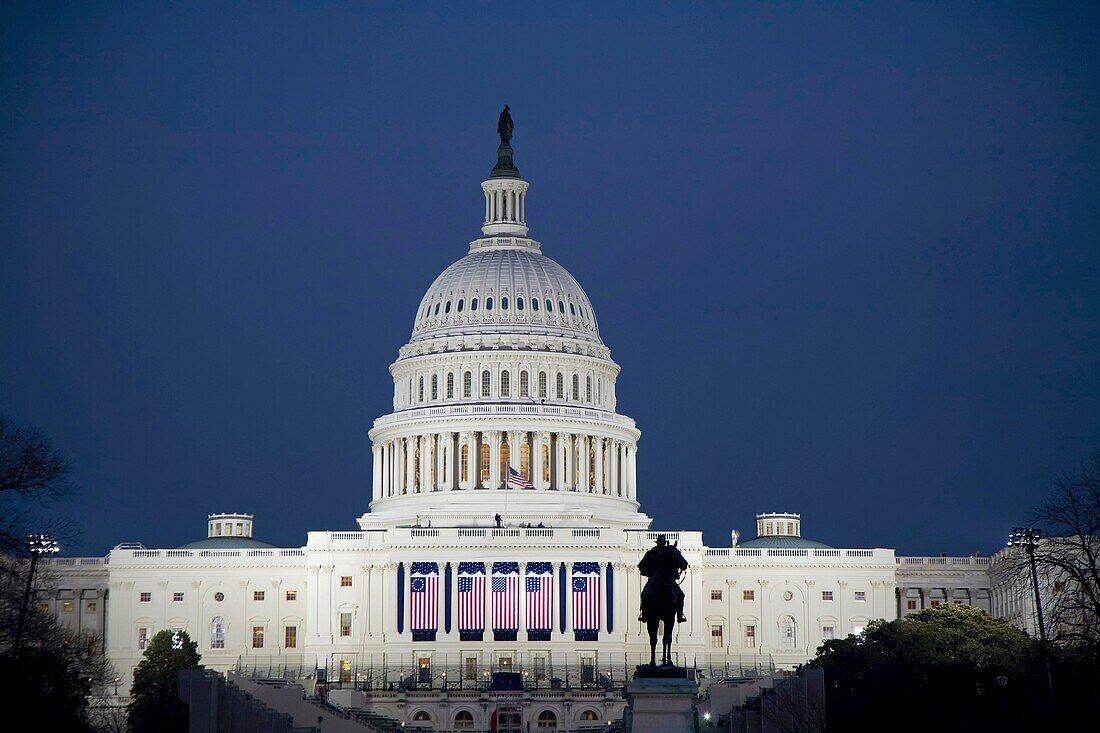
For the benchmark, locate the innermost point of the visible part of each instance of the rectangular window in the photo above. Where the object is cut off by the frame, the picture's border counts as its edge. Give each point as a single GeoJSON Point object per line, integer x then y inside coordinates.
{"type": "Point", "coordinates": [826, 595]}
{"type": "Point", "coordinates": [716, 595]}
{"type": "Point", "coordinates": [177, 598]}
{"type": "Point", "coordinates": [345, 624]}
{"type": "Point", "coordinates": [748, 595]}
{"type": "Point", "coordinates": [469, 669]}
{"type": "Point", "coordinates": [292, 595]}
{"type": "Point", "coordinates": [345, 581]}
{"type": "Point", "coordinates": [143, 637]}
{"type": "Point", "coordinates": [44, 607]}
{"type": "Point", "coordinates": [67, 606]}
{"type": "Point", "coordinates": [911, 605]}
{"type": "Point", "coordinates": [861, 595]}
{"type": "Point", "coordinates": [257, 595]}
{"type": "Point", "coordinates": [716, 636]}
{"type": "Point", "coordinates": [828, 632]}
{"type": "Point", "coordinates": [145, 597]}
{"type": "Point", "coordinates": [540, 668]}
{"type": "Point", "coordinates": [291, 638]}
{"type": "Point", "coordinates": [935, 604]}
{"type": "Point", "coordinates": [257, 637]}
{"type": "Point", "coordinates": [91, 606]}
{"type": "Point", "coordinates": [750, 637]}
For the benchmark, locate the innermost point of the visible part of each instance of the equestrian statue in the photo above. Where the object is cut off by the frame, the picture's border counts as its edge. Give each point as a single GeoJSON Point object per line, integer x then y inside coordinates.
{"type": "Point", "coordinates": [662, 599]}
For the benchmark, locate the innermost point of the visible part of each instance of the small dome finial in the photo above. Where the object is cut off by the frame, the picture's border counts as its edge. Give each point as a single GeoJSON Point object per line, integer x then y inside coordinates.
{"type": "Point", "coordinates": [505, 168]}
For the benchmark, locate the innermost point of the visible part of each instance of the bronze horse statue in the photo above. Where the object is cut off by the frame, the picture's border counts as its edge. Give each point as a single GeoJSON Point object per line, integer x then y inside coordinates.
{"type": "Point", "coordinates": [662, 599]}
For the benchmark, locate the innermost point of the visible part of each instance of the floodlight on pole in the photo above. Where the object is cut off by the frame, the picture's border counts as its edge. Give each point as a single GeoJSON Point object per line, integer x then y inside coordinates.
{"type": "Point", "coordinates": [1029, 538]}
{"type": "Point", "coordinates": [37, 545]}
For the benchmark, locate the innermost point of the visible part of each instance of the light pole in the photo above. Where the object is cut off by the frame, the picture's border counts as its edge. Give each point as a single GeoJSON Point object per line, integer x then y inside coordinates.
{"type": "Point", "coordinates": [1028, 538]}
{"type": "Point", "coordinates": [37, 545]}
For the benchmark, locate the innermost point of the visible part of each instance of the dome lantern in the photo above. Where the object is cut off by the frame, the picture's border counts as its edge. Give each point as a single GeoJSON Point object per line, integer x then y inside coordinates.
{"type": "Point", "coordinates": [505, 191]}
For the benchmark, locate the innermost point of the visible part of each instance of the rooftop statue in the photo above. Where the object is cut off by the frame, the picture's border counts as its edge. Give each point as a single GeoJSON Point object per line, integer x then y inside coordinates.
{"type": "Point", "coordinates": [662, 599]}
{"type": "Point", "coordinates": [504, 126]}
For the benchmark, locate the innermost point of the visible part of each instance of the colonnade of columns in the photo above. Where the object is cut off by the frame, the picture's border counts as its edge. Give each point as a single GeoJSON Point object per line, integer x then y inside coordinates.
{"type": "Point", "coordinates": [551, 461]}
{"type": "Point", "coordinates": [504, 205]}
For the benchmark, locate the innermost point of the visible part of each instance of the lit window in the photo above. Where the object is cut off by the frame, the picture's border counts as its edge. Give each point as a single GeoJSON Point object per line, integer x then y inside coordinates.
{"type": "Point", "coordinates": [826, 595]}
{"type": "Point", "coordinates": [857, 630]}
{"type": "Point", "coordinates": [750, 637]}
{"type": "Point", "coordinates": [218, 529]}
{"type": "Point", "coordinates": [861, 595]}
{"type": "Point", "coordinates": [257, 595]}
{"type": "Point", "coordinates": [217, 633]}
{"type": "Point", "coordinates": [716, 595]}
{"type": "Point", "coordinates": [828, 632]}
{"type": "Point", "coordinates": [177, 598]}
{"type": "Point", "coordinates": [257, 637]}
{"type": "Point", "coordinates": [145, 597]}
{"type": "Point", "coordinates": [67, 606]}
{"type": "Point", "coordinates": [467, 384]}
{"type": "Point", "coordinates": [291, 637]}
{"type": "Point", "coordinates": [345, 581]}
{"type": "Point", "coordinates": [469, 669]}
{"type": "Point", "coordinates": [345, 624]}
{"type": "Point", "coordinates": [748, 595]}
{"type": "Point", "coordinates": [143, 637]}
{"type": "Point", "coordinates": [44, 607]}
{"type": "Point", "coordinates": [716, 636]}
{"type": "Point", "coordinates": [547, 719]}
{"type": "Point", "coordinates": [483, 462]}
{"type": "Point", "coordinates": [292, 595]}
{"type": "Point", "coordinates": [464, 463]}
{"type": "Point", "coordinates": [464, 720]}
{"type": "Point", "coordinates": [91, 606]}
{"type": "Point", "coordinates": [523, 386]}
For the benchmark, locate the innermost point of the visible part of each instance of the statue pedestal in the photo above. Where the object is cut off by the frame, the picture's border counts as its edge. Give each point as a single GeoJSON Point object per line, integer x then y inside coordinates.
{"type": "Point", "coordinates": [660, 700]}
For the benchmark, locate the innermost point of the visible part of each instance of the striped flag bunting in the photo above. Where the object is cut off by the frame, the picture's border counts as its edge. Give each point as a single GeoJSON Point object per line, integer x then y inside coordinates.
{"type": "Point", "coordinates": [539, 595]}
{"type": "Point", "coordinates": [424, 600]}
{"type": "Point", "coordinates": [515, 478]}
{"type": "Point", "coordinates": [586, 601]}
{"type": "Point", "coordinates": [505, 591]}
{"type": "Point", "coordinates": [471, 601]}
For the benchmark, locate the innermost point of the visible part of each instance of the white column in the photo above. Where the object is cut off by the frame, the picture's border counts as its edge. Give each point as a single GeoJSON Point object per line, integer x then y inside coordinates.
{"type": "Point", "coordinates": [410, 464]}
{"type": "Point", "coordinates": [399, 466]}
{"type": "Point", "coordinates": [633, 471]}
{"type": "Point", "coordinates": [386, 469]}
{"type": "Point", "coordinates": [583, 459]}
{"type": "Point", "coordinates": [541, 439]}
{"type": "Point", "coordinates": [622, 489]}
{"type": "Point", "coordinates": [613, 467]}
{"type": "Point", "coordinates": [560, 461]}
{"type": "Point", "coordinates": [494, 458]}
{"type": "Point", "coordinates": [376, 472]}
{"type": "Point", "coordinates": [467, 439]}
{"type": "Point", "coordinates": [427, 463]}
{"type": "Point", "coordinates": [599, 488]}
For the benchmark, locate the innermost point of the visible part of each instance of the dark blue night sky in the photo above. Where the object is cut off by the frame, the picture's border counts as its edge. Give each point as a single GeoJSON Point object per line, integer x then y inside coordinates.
{"type": "Point", "coordinates": [848, 258]}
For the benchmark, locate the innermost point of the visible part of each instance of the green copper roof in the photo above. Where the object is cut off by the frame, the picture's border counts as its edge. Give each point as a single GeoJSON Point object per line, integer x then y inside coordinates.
{"type": "Point", "coordinates": [782, 542]}
{"type": "Point", "coordinates": [227, 543]}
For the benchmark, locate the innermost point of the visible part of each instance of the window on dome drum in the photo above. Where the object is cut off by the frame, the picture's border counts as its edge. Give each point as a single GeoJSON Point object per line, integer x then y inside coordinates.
{"type": "Point", "coordinates": [504, 304]}
{"type": "Point", "coordinates": [143, 637]}
{"type": "Point", "coordinates": [257, 637]}
{"type": "Point", "coordinates": [748, 595]}
{"type": "Point", "coordinates": [560, 386]}
{"type": "Point", "coordinates": [483, 463]}
{"type": "Point", "coordinates": [716, 595]}
{"type": "Point", "coordinates": [177, 598]}
{"type": "Point", "coordinates": [217, 633]}
{"type": "Point", "coordinates": [461, 302]}
{"type": "Point", "coordinates": [257, 595]}
{"type": "Point", "coordinates": [505, 384]}
{"type": "Point", "coordinates": [435, 387]}
{"type": "Point", "coordinates": [345, 581]}
{"type": "Point", "coordinates": [861, 595]}
{"type": "Point", "coordinates": [523, 386]}
{"type": "Point", "coordinates": [485, 383]}
{"type": "Point", "coordinates": [588, 389]}
{"type": "Point", "coordinates": [549, 306]}
{"type": "Point", "coordinates": [576, 388]}
{"type": "Point", "coordinates": [447, 307]}
{"type": "Point", "coordinates": [290, 637]}
{"type": "Point", "coordinates": [534, 304]}
{"type": "Point", "coordinates": [450, 385]}
{"type": "Point", "coordinates": [488, 304]}
{"type": "Point", "coordinates": [345, 624]}
{"type": "Point", "coordinates": [542, 385]}
{"type": "Point", "coordinates": [473, 304]}
{"type": "Point", "coordinates": [292, 595]}
{"type": "Point", "coordinates": [716, 636]}
{"type": "Point", "coordinates": [145, 597]}
{"type": "Point", "coordinates": [420, 391]}
{"type": "Point", "coordinates": [750, 636]}
{"type": "Point", "coordinates": [464, 720]}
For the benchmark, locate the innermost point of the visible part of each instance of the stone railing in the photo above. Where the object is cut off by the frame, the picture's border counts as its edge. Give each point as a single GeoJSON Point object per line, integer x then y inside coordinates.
{"type": "Point", "coordinates": [823, 556]}
{"type": "Point", "coordinates": [940, 562]}
{"type": "Point", "coordinates": [526, 410]}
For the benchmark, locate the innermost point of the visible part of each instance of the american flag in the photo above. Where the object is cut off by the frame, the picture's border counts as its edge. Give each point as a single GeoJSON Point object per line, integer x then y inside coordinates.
{"type": "Point", "coordinates": [424, 589]}
{"type": "Point", "coordinates": [586, 596]}
{"type": "Point", "coordinates": [539, 587]}
{"type": "Point", "coordinates": [506, 596]}
{"type": "Point", "coordinates": [471, 596]}
{"type": "Point", "coordinates": [515, 478]}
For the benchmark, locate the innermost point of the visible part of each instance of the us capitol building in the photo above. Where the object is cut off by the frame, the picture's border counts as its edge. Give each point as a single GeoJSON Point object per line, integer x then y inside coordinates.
{"type": "Point", "coordinates": [504, 404]}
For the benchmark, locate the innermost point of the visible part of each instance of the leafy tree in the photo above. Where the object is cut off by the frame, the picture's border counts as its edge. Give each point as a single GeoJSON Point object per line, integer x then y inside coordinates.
{"type": "Point", "coordinates": [952, 658]}
{"type": "Point", "coordinates": [155, 706]}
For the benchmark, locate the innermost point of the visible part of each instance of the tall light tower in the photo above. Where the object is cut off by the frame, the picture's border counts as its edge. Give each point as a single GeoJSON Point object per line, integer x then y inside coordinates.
{"type": "Point", "coordinates": [37, 545]}
{"type": "Point", "coordinates": [1028, 538]}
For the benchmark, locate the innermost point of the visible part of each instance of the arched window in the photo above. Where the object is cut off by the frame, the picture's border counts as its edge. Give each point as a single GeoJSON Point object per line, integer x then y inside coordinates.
{"type": "Point", "coordinates": [505, 459]}
{"type": "Point", "coordinates": [534, 304]}
{"type": "Point", "coordinates": [547, 720]}
{"type": "Point", "coordinates": [217, 633]}
{"type": "Point", "coordinates": [464, 463]}
{"type": "Point", "coordinates": [464, 720]}
{"type": "Point", "coordinates": [447, 307]}
{"type": "Point", "coordinates": [545, 463]}
{"type": "Point", "coordinates": [542, 385]}
{"type": "Point", "coordinates": [450, 385]}
{"type": "Point", "coordinates": [473, 304]}
{"type": "Point", "coordinates": [488, 304]}
{"type": "Point", "coordinates": [485, 383]}
{"type": "Point", "coordinates": [504, 303]}
{"type": "Point", "coordinates": [788, 636]}
{"type": "Point", "coordinates": [560, 387]}
{"type": "Point", "coordinates": [421, 717]}
{"type": "Point", "coordinates": [523, 386]}
{"type": "Point", "coordinates": [505, 383]}
{"type": "Point", "coordinates": [435, 386]}
{"type": "Point", "coordinates": [590, 715]}
{"type": "Point", "coordinates": [467, 384]}
{"type": "Point", "coordinates": [420, 391]}
{"type": "Point", "coordinates": [549, 306]}
{"type": "Point", "coordinates": [576, 388]}
{"type": "Point", "coordinates": [461, 302]}
{"type": "Point", "coordinates": [519, 304]}
{"type": "Point", "coordinates": [588, 389]}
{"type": "Point", "coordinates": [484, 463]}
